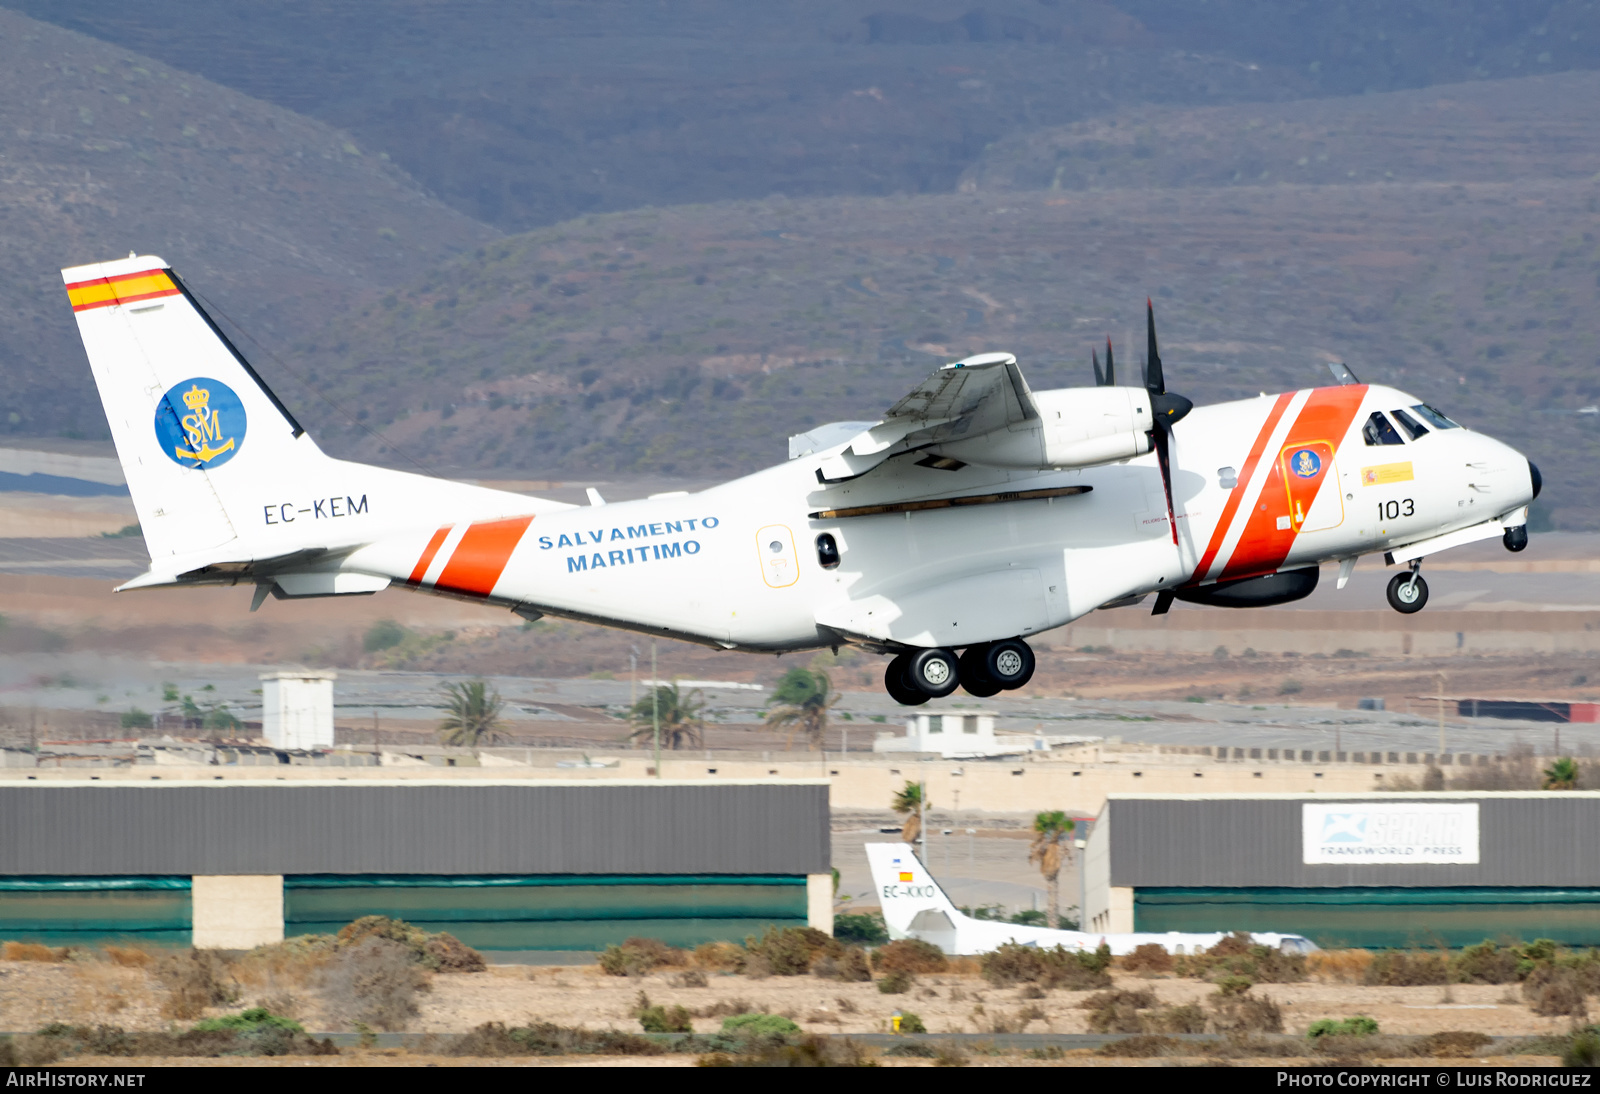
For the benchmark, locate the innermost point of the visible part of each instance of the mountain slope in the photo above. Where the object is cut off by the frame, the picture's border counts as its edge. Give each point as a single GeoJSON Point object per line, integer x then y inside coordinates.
{"type": "Point", "coordinates": [277, 218]}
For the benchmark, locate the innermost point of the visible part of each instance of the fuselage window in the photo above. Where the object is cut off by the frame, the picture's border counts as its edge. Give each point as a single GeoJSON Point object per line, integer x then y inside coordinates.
{"type": "Point", "coordinates": [1378, 431]}
{"type": "Point", "coordinates": [827, 551]}
{"type": "Point", "coordinates": [1433, 417]}
{"type": "Point", "coordinates": [1409, 424]}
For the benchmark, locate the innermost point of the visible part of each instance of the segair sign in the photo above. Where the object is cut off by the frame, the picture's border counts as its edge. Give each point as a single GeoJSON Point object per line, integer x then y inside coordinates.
{"type": "Point", "coordinates": [1348, 833]}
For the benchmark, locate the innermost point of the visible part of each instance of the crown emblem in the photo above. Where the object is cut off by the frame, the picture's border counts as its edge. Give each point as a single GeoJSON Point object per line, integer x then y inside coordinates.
{"type": "Point", "coordinates": [196, 398]}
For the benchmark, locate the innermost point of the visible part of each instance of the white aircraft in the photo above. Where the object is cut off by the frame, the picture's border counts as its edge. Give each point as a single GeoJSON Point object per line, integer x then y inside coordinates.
{"type": "Point", "coordinates": [914, 906]}
{"type": "Point", "coordinates": [976, 514]}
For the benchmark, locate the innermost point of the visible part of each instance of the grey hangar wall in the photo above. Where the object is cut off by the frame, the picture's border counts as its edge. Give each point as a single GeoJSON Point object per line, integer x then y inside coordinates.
{"type": "Point", "coordinates": [503, 866]}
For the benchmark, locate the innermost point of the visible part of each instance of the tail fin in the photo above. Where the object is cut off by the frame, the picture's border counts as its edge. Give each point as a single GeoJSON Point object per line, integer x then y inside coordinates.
{"type": "Point", "coordinates": [219, 470]}
{"type": "Point", "coordinates": [907, 889]}
{"type": "Point", "coordinates": [187, 412]}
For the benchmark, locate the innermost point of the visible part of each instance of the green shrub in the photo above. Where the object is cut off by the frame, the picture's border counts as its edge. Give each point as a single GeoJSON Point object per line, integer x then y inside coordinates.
{"type": "Point", "coordinates": [134, 718]}
{"type": "Point", "coordinates": [1188, 1018]}
{"type": "Point", "coordinates": [911, 1022]}
{"type": "Point", "coordinates": [1358, 1026]}
{"type": "Point", "coordinates": [385, 634]}
{"type": "Point", "coordinates": [1234, 985]}
{"type": "Point", "coordinates": [1486, 963]}
{"type": "Point", "coordinates": [759, 1025]}
{"type": "Point", "coordinates": [864, 930]}
{"type": "Point", "coordinates": [897, 982]}
{"type": "Point", "coordinates": [253, 1019]}
{"type": "Point", "coordinates": [1583, 1050]}
{"type": "Point", "coordinates": [660, 1019]}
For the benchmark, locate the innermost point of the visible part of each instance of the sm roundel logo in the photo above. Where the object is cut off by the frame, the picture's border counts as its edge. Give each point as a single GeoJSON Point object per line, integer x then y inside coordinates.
{"type": "Point", "coordinates": [200, 423]}
{"type": "Point", "coordinates": [1305, 463]}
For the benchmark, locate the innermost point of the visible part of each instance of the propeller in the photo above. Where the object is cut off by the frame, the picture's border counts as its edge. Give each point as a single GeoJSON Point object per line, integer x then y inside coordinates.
{"type": "Point", "coordinates": [1110, 377]}
{"type": "Point", "coordinates": [1166, 409]}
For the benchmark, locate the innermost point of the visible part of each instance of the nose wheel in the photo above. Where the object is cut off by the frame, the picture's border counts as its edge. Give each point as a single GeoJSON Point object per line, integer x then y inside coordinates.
{"type": "Point", "coordinates": [1408, 593]}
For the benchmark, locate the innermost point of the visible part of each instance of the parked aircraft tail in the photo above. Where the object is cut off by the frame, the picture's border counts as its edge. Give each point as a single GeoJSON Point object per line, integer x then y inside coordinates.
{"type": "Point", "coordinates": [227, 485]}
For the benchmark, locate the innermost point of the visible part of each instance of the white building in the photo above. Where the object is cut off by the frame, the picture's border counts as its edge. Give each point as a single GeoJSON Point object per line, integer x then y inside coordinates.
{"type": "Point", "coordinates": [297, 708]}
{"type": "Point", "coordinates": [956, 735]}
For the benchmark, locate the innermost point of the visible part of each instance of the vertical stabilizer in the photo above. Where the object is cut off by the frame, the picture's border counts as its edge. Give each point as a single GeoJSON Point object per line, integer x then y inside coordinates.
{"type": "Point", "coordinates": [912, 900]}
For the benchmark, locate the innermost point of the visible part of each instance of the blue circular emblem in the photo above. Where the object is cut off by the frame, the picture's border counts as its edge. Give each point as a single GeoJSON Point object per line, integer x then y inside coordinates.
{"type": "Point", "coordinates": [200, 423]}
{"type": "Point", "coordinates": [1306, 463]}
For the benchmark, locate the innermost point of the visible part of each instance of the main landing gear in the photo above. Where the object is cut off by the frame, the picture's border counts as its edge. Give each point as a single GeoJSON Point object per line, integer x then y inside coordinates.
{"type": "Point", "coordinates": [916, 676]}
{"type": "Point", "coordinates": [1408, 592]}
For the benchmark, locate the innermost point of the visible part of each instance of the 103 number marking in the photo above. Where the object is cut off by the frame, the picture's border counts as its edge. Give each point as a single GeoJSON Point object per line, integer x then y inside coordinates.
{"type": "Point", "coordinates": [1393, 510]}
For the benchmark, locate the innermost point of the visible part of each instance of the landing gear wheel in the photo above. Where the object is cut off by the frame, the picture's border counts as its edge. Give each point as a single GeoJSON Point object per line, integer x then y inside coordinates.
{"type": "Point", "coordinates": [934, 672]}
{"type": "Point", "coordinates": [1407, 593]}
{"type": "Point", "coordinates": [895, 683]}
{"type": "Point", "coordinates": [974, 677]}
{"type": "Point", "coordinates": [1009, 663]}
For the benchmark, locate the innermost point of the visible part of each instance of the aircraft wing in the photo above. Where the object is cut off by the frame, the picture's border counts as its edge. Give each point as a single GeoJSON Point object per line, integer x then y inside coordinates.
{"type": "Point", "coordinates": [960, 401]}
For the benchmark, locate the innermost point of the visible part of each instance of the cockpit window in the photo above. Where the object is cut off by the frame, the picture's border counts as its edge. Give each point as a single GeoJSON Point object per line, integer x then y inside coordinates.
{"type": "Point", "coordinates": [1409, 424]}
{"type": "Point", "coordinates": [1378, 431]}
{"type": "Point", "coordinates": [1433, 417]}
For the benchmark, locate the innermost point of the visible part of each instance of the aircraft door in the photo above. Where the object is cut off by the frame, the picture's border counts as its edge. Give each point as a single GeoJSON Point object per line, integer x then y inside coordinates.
{"type": "Point", "coordinates": [1304, 470]}
{"type": "Point", "coordinates": [779, 563]}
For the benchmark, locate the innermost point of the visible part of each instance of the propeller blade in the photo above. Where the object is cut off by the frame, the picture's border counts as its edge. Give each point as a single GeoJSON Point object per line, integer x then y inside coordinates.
{"type": "Point", "coordinates": [1111, 367]}
{"type": "Point", "coordinates": [1152, 362]}
{"type": "Point", "coordinates": [1099, 380]}
{"type": "Point", "coordinates": [1161, 437]}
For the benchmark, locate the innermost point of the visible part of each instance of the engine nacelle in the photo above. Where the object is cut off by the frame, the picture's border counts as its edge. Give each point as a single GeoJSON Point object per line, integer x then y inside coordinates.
{"type": "Point", "coordinates": [1076, 427]}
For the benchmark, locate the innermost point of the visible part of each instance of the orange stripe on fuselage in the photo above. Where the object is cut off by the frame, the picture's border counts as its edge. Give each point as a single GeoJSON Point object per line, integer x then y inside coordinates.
{"type": "Point", "coordinates": [481, 556]}
{"type": "Point", "coordinates": [421, 568]}
{"type": "Point", "coordinates": [102, 292]}
{"type": "Point", "coordinates": [1326, 416]}
{"type": "Point", "coordinates": [1236, 495]}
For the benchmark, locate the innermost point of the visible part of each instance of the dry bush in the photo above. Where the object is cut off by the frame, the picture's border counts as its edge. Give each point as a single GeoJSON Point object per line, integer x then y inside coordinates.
{"type": "Point", "coordinates": [964, 966]}
{"type": "Point", "coordinates": [1141, 1047]}
{"type": "Point", "coordinates": [1486, 963]}
{"type": "Point", "coordinates": [1012, 964]}
{"type": "Point", "coordinates": [374, 982]}
{"type": "Point", "coordinates": [544, 1039]}
{"type": "Point", "coordinates": [104, 990]}
{"type": "Point", "coordinates": [195, 979]}
{"type": "Point", "coordinates": [1118, 1011]}
{"type": "Point", "coordinates": [849, 966]}
{"type": "Point", "coordinates": [32, 951]}
{"type": "Point", "coordinates": [787, 951]}
{"type": "Point", "coordinates": [1555, 991]}
{"type": "Point", "coordinates": [727, 1008]}
{"type": "Point", "coordinates": [129, 957]}
{"type": "Point", "coordinates": [690, 978]}
{"type": "Point", "coordinates": [719, 956]}
{"type": "Point", "coordinates": [1188, 1018]}
{"type": "Point", "coordinates": [1149, 959]}
{"type": "Point", "coordinates": [279, 975]}
{"type": "Point", "coordinates": [910, 955]}
{"type": "Point", "coordinates": [897, 982]}
{"type": "Point", "coordinates": [1396, 969]}
{"type": "Point", "coordinates": [1245, 1013]}
{"type": "Point", "coordinates": [449, 954]}
{"type": "Point", "coordinates": [1339, 966]}
{"type": "Point", "coordinates": [1452, 1044]}
{"type": "Point", "coordinates": [638, 956]}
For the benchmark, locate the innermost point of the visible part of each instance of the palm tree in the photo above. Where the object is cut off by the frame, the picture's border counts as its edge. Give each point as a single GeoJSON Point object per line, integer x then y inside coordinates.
{"type": "Point", "coordinates": [801, 701]}
{"type": "Point", "coordinates": [473, 717]}
{"type": "Point", "coordinates": [1562, 774]}
{"type": "Point", "coordinates": [1052, 845]}
{"type": "Point", "coordinates": [909, 804]}
{"type": "Point", "coordinates": [680, 717]}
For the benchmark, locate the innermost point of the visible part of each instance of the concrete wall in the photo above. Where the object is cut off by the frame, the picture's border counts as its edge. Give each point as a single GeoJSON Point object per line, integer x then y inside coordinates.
{"type": "Point", "coordinates": [819, 902]}
{"type": "Point", "coordinates": [237, 911]}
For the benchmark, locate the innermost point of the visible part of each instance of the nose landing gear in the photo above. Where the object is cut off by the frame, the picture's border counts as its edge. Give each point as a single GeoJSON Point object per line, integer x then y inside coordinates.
{"type": "Point", "coordinates": [913, 678]}
{"type": "Point", "coordinates": [1408, 593]}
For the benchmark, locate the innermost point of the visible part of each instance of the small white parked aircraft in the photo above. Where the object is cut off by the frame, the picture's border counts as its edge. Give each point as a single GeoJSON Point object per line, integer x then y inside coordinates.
{"type": "Point", "coordinates": [914, 906]}
{"type": "Point", "coordinates": [976, 514]}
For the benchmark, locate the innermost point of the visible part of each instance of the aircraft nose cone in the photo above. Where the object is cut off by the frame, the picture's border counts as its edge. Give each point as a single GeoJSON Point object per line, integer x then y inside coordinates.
{"type": "Point", "coordinates": [1538, 479]}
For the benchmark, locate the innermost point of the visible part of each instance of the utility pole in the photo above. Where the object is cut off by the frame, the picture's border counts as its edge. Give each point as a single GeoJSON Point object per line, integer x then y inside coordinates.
{"type": "Point", "coordinates": [655, 706]}
{"type": "Point", "coordinates": [922, 809]}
